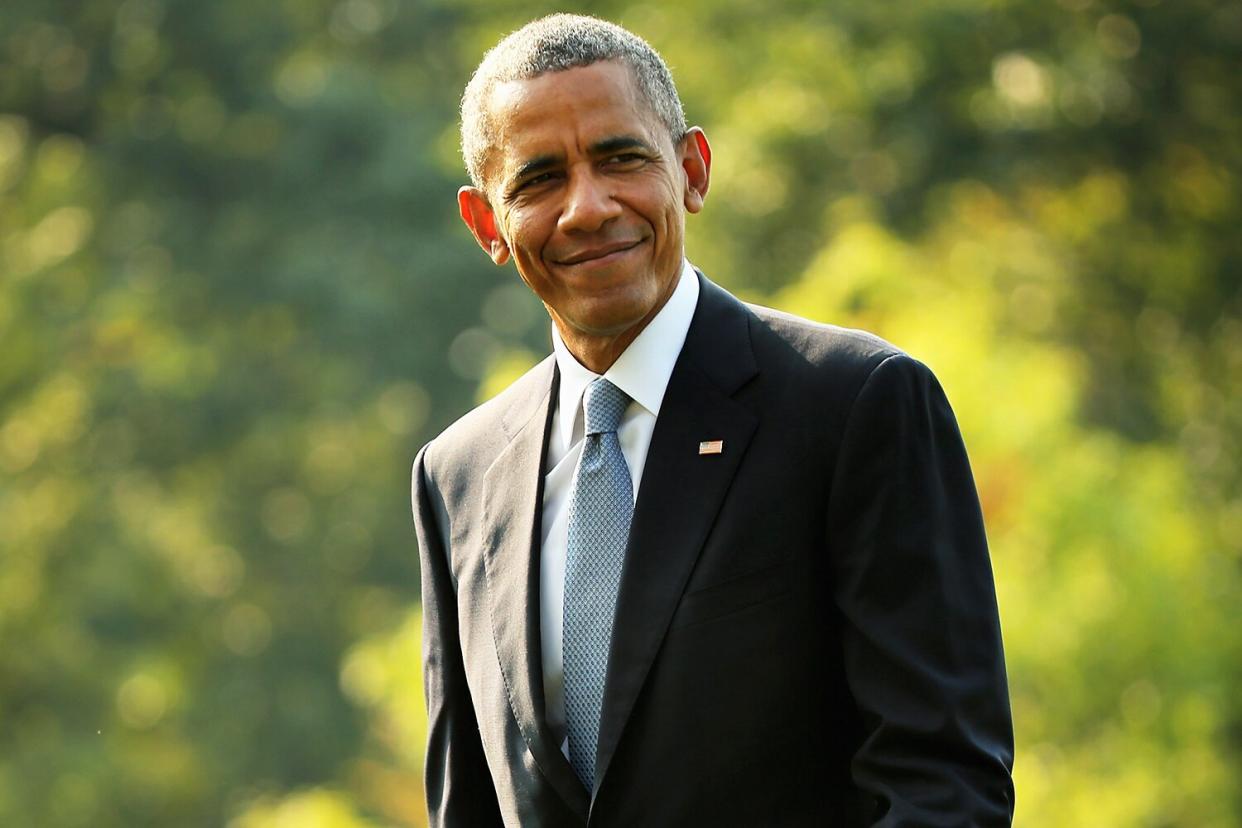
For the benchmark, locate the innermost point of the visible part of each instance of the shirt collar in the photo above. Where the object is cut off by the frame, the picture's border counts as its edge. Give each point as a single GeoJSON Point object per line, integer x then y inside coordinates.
{"type": "Point", "coordinates": [643, 369]}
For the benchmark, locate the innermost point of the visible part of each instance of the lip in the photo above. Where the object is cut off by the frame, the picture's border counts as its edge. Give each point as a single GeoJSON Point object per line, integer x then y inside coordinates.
{"type": "Point", "coordinates": [599, 254]}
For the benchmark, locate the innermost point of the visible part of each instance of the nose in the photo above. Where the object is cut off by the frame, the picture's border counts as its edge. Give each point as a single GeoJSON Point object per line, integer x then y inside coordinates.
{"type": "Point", "coordinates": [589, 202]}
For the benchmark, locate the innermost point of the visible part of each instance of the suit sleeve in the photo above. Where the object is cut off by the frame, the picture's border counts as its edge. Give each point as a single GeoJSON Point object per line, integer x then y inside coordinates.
{"type": "Point", "coordinates": [921, 634]}
{"type": "Point", "coordinates": [458, 785]}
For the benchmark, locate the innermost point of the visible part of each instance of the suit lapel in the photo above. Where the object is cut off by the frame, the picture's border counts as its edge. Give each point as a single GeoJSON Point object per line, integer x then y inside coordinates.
{"type": "Point", "coordinates": [679, 497]}
{"type": "Point", "coordinates": [513, 506]}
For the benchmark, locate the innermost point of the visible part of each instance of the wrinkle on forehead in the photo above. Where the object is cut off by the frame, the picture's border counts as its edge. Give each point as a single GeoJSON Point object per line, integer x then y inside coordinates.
{"type": "Point", "coordinates": [519, 108]}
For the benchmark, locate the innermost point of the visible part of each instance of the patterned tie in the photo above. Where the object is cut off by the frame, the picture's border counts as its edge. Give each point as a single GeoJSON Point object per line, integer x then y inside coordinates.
{"type": "Point", "coordinates": [599, 526]}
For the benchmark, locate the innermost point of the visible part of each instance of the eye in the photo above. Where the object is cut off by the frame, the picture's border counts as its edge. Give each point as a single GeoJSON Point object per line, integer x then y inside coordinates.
{"type": "Point", "coordinates": [533, 182]}
{"type": "Point", "coordinates": [624, 159]}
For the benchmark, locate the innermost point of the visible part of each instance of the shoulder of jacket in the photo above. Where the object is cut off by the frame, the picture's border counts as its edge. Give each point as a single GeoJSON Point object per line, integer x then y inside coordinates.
{"type": "Point", "coordinates": [822, 344]}
{"type": "Point", "coordinates": [481, 433]}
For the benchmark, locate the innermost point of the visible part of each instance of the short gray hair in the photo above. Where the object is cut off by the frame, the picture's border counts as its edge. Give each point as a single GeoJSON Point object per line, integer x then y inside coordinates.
{"type": "Point", "coordinates": [553, 44]}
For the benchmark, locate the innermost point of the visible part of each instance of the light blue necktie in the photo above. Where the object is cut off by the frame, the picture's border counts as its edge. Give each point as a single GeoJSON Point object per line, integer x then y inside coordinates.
{"type": "Point", "coordinates": [599, 526]}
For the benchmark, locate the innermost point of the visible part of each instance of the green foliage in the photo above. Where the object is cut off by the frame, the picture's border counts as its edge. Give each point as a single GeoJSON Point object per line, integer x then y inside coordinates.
{"type": "Point", "coordinates": [236, 299]}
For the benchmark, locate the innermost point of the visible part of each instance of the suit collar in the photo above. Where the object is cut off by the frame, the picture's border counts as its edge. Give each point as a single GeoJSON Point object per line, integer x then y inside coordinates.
{"type": "Point", "coordinates": [512, 506]}
{"type": "Point", "coordinates": [529, 397]}
{"type": "Point", "coordinates": [718, 343]}
{"type": "Point", "coordinates": [681, 494]}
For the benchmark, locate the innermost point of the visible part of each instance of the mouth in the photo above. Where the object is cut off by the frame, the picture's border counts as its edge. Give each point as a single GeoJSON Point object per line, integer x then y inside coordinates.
{"type": "Point", "coordinates": [600, 255]}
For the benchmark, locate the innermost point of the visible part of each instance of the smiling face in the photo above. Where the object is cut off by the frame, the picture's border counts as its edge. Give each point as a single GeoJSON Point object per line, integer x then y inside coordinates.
{"type": "Point", "coordinates": [587, 192]}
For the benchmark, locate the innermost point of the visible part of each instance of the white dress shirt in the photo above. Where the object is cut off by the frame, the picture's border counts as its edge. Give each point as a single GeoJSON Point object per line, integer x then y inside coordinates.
{"type": "Point", "coordinates": [642, 372]}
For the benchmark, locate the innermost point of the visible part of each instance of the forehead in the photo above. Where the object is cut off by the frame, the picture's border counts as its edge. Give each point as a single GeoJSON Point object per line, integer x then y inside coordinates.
{"type": "Point", "coordinates": [559, 113]}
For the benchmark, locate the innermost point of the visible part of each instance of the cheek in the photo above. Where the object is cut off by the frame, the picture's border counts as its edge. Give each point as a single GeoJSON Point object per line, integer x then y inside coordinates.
{"type": "Point", "coordinates": [526, 238]}
{"type": "Point", "coordinates": [522, 231]}
{"type": "Point", "coordinates": [671, 213]}
{"type": "Point", "coordinates": [670, 206]}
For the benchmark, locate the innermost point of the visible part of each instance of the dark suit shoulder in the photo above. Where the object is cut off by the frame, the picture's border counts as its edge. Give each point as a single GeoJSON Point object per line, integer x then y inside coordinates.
{"type": "Point", "coordinates": [815, 355]}
{"type": "Point", "coordinates": [468, 446]}
{"type": "Point", "coordinates": [822, 343]}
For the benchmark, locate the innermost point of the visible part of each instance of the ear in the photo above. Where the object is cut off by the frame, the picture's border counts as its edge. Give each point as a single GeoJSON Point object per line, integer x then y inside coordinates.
{"type": "Point", "coordinates": [476, 212]}
{"type": "Point", "coordinates": [696, 160]}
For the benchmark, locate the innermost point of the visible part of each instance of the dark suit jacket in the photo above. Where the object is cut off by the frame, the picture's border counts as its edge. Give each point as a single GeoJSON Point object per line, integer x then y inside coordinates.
{"type": "Point", "coordinates": [806, 631]}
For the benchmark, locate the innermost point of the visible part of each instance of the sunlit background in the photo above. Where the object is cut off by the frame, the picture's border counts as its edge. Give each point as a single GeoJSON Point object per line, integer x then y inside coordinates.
{"type": "Point", "coordinates": [236, 299]}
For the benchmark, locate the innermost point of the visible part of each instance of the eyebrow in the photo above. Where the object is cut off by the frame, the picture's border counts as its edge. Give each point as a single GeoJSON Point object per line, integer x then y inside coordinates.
{"type": "Point", "coordinates": [534, 166]}
{"type": "Point", "coordinates": [606, 146]}
{"type": "Point", "coordinates": [619, 142]}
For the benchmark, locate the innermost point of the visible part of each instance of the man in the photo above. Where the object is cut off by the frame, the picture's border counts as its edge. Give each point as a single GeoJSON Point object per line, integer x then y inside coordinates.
{"type": "Point", "coordinates": [706, 564]}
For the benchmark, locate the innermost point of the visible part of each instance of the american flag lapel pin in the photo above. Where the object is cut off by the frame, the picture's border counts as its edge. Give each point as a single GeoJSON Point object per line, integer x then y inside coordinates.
{"type": "Point", "coordinates": [711, 447]}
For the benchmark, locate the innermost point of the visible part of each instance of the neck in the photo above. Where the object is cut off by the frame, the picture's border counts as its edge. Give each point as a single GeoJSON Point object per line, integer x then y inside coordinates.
{"type": "Point", "coordinates": [597, 353]}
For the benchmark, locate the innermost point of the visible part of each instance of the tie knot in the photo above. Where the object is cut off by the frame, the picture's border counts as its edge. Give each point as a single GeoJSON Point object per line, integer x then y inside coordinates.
{"type": "Point", "coordinates": [604, 403]}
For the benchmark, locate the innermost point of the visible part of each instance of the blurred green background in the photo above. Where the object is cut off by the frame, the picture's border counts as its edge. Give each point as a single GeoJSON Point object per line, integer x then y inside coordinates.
{"type": "Point", "coordinates": [236, 298]}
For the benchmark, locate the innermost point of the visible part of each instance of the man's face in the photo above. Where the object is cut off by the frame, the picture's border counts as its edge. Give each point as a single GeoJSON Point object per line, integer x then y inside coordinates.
{"type": "Point", "coordinates": [586, 191]}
